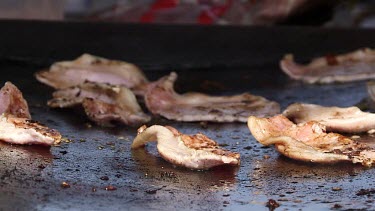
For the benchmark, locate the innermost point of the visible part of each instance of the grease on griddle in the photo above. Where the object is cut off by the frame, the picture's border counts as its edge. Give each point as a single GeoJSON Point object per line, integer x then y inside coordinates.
{"type": "Point", "coordinates": [41, 166]}
{"type": "Point", "coordinates": [367, 192]}
{"type": "Point", "coordinates": [65, 185]}
{"type": "Point", "coordinates": [110, 188]}
{"type": "Point", "coordinates": [104, 178]}
{"type": "Point", "coordinates": [63, 152]}
{"type": "Point", "coordinates": [272, 204]}
{"type": "Point", "coordinates": [153, 190]}
{"type": "Point", "coordinates": [248, 147]}
{"type": "Point", "coordinates": [337, 206]}
{"type": "Point", "coordinates": [336, 188]}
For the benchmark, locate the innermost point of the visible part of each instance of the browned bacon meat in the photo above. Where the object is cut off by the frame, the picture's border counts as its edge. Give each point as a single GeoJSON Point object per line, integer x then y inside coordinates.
{"type": "Point", "coordinates": [353, 66]}
{"type": "Point", "coordinates": [162, 99]}
{"type": "Point", "coordinates": [335, 119]}
{"type": "Point", "coordinates": [87, 67]}
{"type": "Point", "coordinates": [309, 141]}
{"type": "Point", "coordinates": [194, 152]}
{"type": "Point", "coordinates": [12, 101]}
{"type": "Point", "coordinates": [103, 103]}
{"type": "Point", "coordinates": [16, 126]}
{"type": "Point", "coordinates": [16, 130]}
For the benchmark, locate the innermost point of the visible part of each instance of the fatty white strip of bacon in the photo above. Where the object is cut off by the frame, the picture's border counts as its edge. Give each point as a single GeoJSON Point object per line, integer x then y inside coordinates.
{"type": "Point", "coordinates": [106, 114]}
{"type": "Point", "coordinates": [162, 99]}
{"type": "Point", "coordinates": [194, 152]}
{"type": "Point", "coordinates": [16, 130]}
{"type": "Point", "coordinates": [335, 119]}
{"type": "Point", "coordinates": [353, 66]}
{"type": "Point", "coordinates": [12, 101]}
{"type": "Point", "coordinates": [16, 126]}
{"type": "Point", "coordinates": [103, 103]}
{"type": "Point", "coordinates": [87, 67]}
{"type": "Point", "coordinates": [309, 141]}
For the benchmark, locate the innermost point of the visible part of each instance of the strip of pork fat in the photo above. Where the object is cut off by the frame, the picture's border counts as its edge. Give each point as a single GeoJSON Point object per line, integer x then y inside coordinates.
{"type": "Point", "coordinates": [12, 101]}
{"type": "Point", "coordinates": [16, 130]}
{"type": "Point", "coordinates": [103, 103]}
{"type": "Point", "coordinates": [353, 66]}
{"type": "Point", "coordinates": [309, 141]}
{"type": "Point", "coordinates": [16, 126]}
{"type": "Point", "coordinates": [335, 119]}
{"type": "Point", "coordinates": [87, 67]}
{"type": "Point", "coordinates": [194, 152]}
{"type": "Point", "coordinates": [162, 99]}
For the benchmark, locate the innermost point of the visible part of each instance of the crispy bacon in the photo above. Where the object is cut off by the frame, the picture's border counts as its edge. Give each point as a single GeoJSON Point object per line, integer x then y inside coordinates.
{"type": "Point", "coordinates": [335, 119]}
{"type": "Point", "coordinates": [353, 66]}
{"type": "Point", "coordinates": [16, 126]}
{"type": "Point", "coordinates": [12, 101]}
{"type": "Point", "coordinates": [162, 99]}
{"type": "Point", "coordinates": [87, 67]}
{"type": "Point", "coordinates": [309, 141]}
{"type": "Point", "coordinates": [103, 103]}
{"type": "Point", "coordinates": [194, 152]}
{"type": "Point", "coordinates": [16, 130]}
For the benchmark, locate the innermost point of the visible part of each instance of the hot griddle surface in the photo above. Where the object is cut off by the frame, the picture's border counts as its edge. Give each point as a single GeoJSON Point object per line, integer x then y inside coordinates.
{"type": "Point", "coordinates": [31, 176]}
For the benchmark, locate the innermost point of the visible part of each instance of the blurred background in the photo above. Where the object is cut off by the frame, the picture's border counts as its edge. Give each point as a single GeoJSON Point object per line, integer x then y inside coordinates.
{"type": "Point", "coordinates": [326, 13]}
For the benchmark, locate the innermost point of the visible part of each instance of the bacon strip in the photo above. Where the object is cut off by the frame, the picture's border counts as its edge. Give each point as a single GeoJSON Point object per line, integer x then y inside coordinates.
{"type": "Point", "coordinates": [16, 126]}
{"type": "Point", "coordinates": [162, 99]}
{"type": "Point", "coordinates": [335, 119]}
{"type": "Point", "coordinates": [194, 152]}
{"type": "Point", "coordinates": [309, 142]}
{"type": "Point", "coordinates": [12, 101]}
{"type": "Point", "coordinates": [87, 67]}
{"type": "Point", "coordinates": [16, 130]}
{"type": "Point", "coordinates": [353, 66]}
{"type": "Point", "coordinates": [103, 103]}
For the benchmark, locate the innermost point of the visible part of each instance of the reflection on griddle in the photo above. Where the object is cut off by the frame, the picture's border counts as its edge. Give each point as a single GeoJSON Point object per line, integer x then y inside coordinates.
{"type": "Point", "coordinates": [152, 166]}
{"type": "Point", "coordinates": [23, 160]}
{"type": "Point", "coordinates": [289, 175]}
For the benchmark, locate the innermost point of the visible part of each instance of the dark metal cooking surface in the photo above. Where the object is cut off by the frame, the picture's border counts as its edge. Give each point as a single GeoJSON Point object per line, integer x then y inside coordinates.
{"type": "Point", "coordinates": [90, 158]}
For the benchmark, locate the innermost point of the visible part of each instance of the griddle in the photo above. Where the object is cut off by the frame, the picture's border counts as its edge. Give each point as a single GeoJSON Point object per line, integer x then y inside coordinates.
{"type": "Point", "coordinates": [212, 59]}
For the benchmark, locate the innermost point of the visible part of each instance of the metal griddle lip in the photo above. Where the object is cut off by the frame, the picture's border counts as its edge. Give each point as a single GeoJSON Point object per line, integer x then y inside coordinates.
{"type": "Point", "coordinates": [173, 46]}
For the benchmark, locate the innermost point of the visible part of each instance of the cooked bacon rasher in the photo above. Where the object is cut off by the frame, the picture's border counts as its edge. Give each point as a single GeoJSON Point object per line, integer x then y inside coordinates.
{"type": "Point", "coordinates": [103, 103]}
{"type": "Point", "coordinates": [190, 151]}
{"type": "Point", "coordinates": [16, 130]}
{"type": "Point", "coordinates": [161, 99]}
{"type": "Point", "coordinates": [16, 126]}
{"type": "Point", "coordinates": [309, 141]}
{"type": "Point", "coordinates": [87, 67]}
{"type": "Point", "coordinates": [353, 66]}
{"type": "Point", "coordinates": [12, 101]}
{"type": "Point", "coordinates": [335, 119]}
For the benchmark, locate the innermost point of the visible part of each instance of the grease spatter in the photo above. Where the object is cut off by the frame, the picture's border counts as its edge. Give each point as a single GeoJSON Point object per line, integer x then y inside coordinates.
{"type": "Point", "coordinates": [272, 204]}
{"type": "Point", "coordinates": [110, 188]}
{"type": "Point", "coordinates": [104, 178]}
{"type": "Point", "coordinates": [65, 185]}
